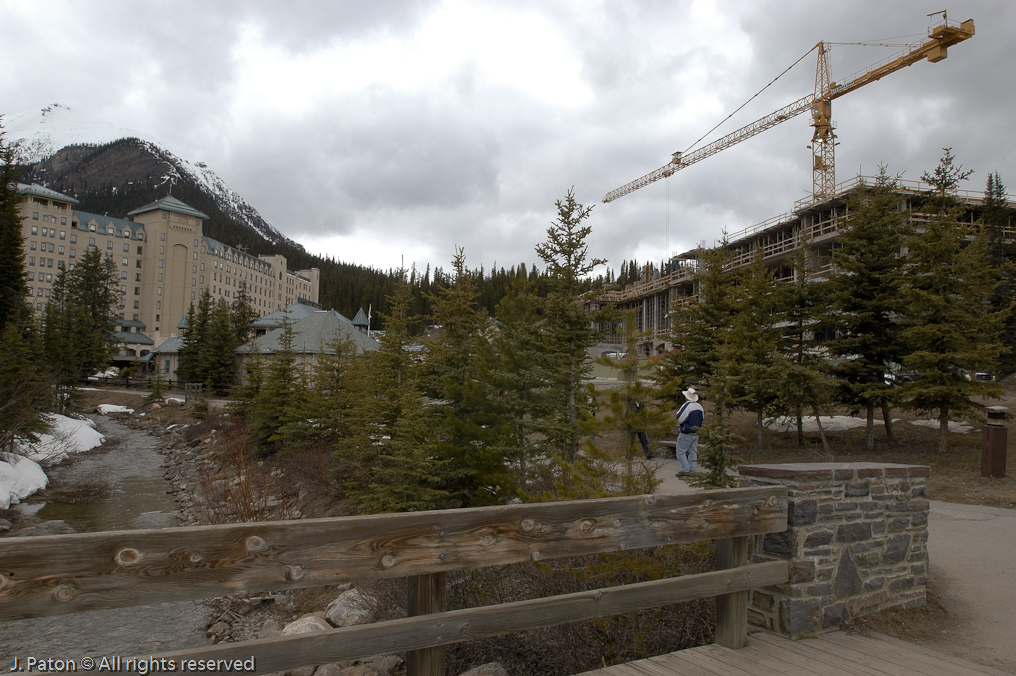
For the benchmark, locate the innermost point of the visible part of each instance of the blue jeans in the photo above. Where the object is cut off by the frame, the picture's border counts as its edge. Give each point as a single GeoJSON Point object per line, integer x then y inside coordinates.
{"type": "Point", "coordinates": [687, 452]}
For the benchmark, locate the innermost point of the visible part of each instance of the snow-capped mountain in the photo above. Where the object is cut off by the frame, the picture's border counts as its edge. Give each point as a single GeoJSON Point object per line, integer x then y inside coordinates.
{"type": "Point", "coordinates": [41, 134]}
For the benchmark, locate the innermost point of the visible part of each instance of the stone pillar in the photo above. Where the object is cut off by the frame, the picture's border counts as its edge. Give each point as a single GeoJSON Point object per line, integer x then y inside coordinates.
{"type": "Point", "coordinates": [856, 542]}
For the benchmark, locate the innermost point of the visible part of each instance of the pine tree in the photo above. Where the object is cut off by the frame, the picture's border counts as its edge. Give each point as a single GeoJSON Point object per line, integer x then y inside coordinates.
{"type": "Point", "coordinates": [570, 328]}
{"type": "Point", "coordinates": [281, 393]}
{"type": "Point", "coordinates": [997, 223]}
{"type": "Point", "coordinates": [636, 407]}
{"type": "Point", "coordinates": [23, 392]}
{"type": "Point", "coordinates": [866, 297]}
{"type": "Point", "coordinates": [701, 325]}
{"type": "Point", "coordinates": [805, 378]}
{"type": "Point", "coordinates": [13, 286]}
{"type": "Point", "coordinates": [389, 463]}
{"type": "Point", "coordinates": [754, 358]}
{"type": "Point", "coordinates": [472, 465]}
{"type": "Point", "coordinates": [950, 329]}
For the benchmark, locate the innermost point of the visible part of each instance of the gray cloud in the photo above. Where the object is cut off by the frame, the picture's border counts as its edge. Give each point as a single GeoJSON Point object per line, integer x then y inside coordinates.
{"type": "Point", "coordinates": [459, 157]}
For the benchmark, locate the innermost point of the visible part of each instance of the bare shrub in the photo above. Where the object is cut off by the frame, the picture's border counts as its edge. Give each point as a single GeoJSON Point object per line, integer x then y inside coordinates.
{"type": "Point", "coordinates": [244, 489]}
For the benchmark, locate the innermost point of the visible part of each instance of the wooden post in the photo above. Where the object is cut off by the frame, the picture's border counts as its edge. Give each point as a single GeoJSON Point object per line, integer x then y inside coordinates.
{"type": "Point", "coordinates": [426, 595]}
{"type": "Point", "coordinates": [732, 609]}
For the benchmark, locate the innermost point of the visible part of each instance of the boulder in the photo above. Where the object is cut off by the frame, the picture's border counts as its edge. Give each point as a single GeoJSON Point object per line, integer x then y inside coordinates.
{"type": "Point", "coordinates": [270, 628]}
{"type": "Point", "coordinates": [350, 608]}
{"type": "Point", "coordinates": [307, 624]}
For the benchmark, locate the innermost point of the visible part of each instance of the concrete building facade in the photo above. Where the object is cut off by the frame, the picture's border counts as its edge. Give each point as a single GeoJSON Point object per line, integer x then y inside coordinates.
{"type": "Point", "coordinates": [814, 225]}
{"type": "Point", "coordinates": [164, 259]}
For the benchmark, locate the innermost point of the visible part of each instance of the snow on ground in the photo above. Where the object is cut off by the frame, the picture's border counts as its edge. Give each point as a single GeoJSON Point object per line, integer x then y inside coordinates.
{"type": "Point", "coordinates": [955, 426]}
{"type": "Point", "coordinates": [21, 475]}
{"type": "Point", "coordinates": [19, 478]}
{"type": "Point", "coordinates": [178, 400]}
{"type": "Point", "coordinates": [106, 409]}
{"type": "Point", "coordinates": [830, 423]}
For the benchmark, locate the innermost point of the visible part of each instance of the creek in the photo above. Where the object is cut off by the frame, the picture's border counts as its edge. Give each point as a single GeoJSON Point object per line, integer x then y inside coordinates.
{"type": "Point", "coordinates": [118, 486]}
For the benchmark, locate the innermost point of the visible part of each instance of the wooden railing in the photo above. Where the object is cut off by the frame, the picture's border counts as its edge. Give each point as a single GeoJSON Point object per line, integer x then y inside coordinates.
{"type": "Point", "coordinates": [58, 574]}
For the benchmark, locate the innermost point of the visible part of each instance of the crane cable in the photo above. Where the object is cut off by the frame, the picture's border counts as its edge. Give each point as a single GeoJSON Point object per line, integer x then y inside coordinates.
{"type": "Point", "coordinates": [751, 99]}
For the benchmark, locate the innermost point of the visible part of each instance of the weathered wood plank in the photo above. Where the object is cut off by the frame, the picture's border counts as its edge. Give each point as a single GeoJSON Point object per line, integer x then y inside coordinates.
{"type": "Point", "coordinates": [732, 609]}
{"type": "Point", "coordinates": [424, 631]}
{"type": "Point", "coordinates": [427, 594]}
{"type": "Point", "coordinates": [50, 575]}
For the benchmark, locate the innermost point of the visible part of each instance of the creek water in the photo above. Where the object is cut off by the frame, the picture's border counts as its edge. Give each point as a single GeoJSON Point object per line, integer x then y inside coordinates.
{"type": "Point", "coordinates": [118, 486]}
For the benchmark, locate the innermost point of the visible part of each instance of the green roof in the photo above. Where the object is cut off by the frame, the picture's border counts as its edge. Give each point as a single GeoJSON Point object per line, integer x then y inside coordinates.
{"type": "Point", "coordinates": [43, 191]}
{"type": "Point", "coordinates": [312, 334]}
{"type": "Point", "coordinates": [170, 203]}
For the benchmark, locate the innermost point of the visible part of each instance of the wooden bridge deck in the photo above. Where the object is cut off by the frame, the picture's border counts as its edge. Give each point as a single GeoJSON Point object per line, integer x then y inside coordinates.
{"type": "Point", "coordinates": [833, 654]}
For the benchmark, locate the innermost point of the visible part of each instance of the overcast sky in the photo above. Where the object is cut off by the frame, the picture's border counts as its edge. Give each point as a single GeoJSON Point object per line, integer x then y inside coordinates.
{"type": "Point", "coordinates": [385, 131]}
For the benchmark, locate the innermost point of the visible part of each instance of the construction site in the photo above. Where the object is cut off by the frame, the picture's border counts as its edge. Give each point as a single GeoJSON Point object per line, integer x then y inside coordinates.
{"type": "Point", "coordinates": [814, 223]}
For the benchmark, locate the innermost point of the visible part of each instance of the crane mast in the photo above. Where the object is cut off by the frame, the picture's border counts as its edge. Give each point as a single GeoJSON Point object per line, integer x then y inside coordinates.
{"type": "Point", "coordinates": [823, 142]}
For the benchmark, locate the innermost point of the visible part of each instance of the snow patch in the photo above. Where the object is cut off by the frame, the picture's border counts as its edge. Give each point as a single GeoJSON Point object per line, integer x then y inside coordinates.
{"type": "Point", "coordinates": [107, 409]}
{"type": "Point", "coordinates": [955, 426]}
{"type": "Point", "coordinates": [66, 436]}
{"type": "Point", "coordinates": [830, 423]}
{"type": "Point", "coordinates": [19, 478]}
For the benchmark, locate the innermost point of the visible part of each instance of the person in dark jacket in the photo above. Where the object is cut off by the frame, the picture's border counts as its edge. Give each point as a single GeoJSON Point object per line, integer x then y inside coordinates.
{"type": "Point", "coordinates": [690, 417]}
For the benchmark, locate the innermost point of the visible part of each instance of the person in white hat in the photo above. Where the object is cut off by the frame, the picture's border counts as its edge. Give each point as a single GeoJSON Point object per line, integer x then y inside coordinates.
{"type": "Point", "coordinates": [690, 418]}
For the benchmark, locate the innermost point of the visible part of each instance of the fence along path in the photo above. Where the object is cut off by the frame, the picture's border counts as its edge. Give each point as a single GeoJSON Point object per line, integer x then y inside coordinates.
{"type": "Point", "coordinates": [51, 575]}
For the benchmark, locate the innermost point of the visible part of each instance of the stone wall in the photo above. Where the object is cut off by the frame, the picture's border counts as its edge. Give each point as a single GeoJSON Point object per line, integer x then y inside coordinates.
{"type": "Point", "coordinates": [856, 542]}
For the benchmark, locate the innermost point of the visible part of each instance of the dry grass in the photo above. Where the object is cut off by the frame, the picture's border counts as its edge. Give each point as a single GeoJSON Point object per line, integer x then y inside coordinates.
{"type": "Point", "coordinates": [926, 624]}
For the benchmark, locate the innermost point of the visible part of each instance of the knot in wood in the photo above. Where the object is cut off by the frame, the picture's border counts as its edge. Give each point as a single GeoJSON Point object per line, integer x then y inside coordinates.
{"type": "Point", "coordinates": [617, 523]}
{"type": "Point", "coordinates": [64, 593]}
{"type": "Point", "coordinates": [256, 544]}
{"type": "Point", "coordinates": [195, 557]}
{"type": "Point", "coordinates": [651, 499]}
{"type": "Point", "coordinates": [441, 556]}
{"type": "Point", "coordinates": [535, 556]}
{"type": "Point", "coordinates": [128, 557]}
{"type": "Point", "coordinates": [296, 573]}
{"type": "Point", "coordinates": [488, 540]}
{"type": "Point", "coordinates": [703, 523]}
{"type": "Point", "coordinates": [586, 526]}
{"type": "Point", "coordinates": [528, 525]}
{"type": "Point", "coordinates": [4, 581]}
{"type": "Point", "coordinates": [387, 560]}
{"type": "Point", "coordinates": [622, 546]}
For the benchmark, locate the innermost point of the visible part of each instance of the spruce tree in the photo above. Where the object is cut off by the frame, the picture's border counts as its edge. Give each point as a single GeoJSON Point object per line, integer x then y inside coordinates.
{"type": "Point", "coordinates": [867, 300]}
{"type": "Point", "coordinates": [754, 357]}
{"type": "Point", "coordinates": [472, 465]}
{"type": "Point", "coordinates": [571, 330]}
{"type": "Point", "coordinates": [24, 392]}
{"type": "Point", "coordinates": [13, 285]}
{"type": "Point", "coordinates": [950, 329]}
{"type": "Point", "coordinates": [390, 463]}
{"type": "Point", "coordinates": [997, 225]}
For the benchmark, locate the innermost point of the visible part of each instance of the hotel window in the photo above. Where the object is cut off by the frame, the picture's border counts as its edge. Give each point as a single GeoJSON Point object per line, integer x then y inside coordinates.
{"type": "Point", "coordinates": [35, 230]}
{"type": "Point", "coordinates": [91, 241]}
{"type": "Point", "coordinates": [123, 303]}
{"type": "Point", "coordinates": [158, 306]}
{"type": "Point", "coordinates": [72, 253]}
{"type": "Point", "coordinates": [137, 263]}
{"type": "Point", "coordinates": [63, 234]}
{"type": "Point", "coordinates": [74, 239]}
{"type": "Point", "coordinates": [63, 220]}
{"type": "Point", "coordinates": [109, 245]}
{"type": "Point", "coordinates": [202, 279]}
{"type": "Point", "coordinates": [195, 255]}
{"type": "Point", "coordinates": [126, 247]}
{"type": "Point", "coordinates": [123, 289]}
{"type": "Point", "coordinates": [163, 235]}
{"type": "Point", "coordinates": [137, 290]}
{"type": "Point", "coordinates": [194, 268]}
{"type": "Point", "coordinates": [162, 251]}
{"type": "Point", "coordinates": [49, 263]}
{"type": "Point", "coordinates": [35, 215]}
{"type": "Point", "coordinates": [195, 242]}
{"type": "Point", "coordinates": [61, 251]}
{"type": "Point", "coordinates": [137, 305]}
{"type": "Point", "coordinates": [160, 263]}
{"type": "Point", "coordinates": [139, 250]}
{"type": "Point", "coordinates": [157, 318]}
{"type": "Point", "coordinates": [32, 245]}
{"type": "Point", "coordinates": [31, 276]}
{"type": "Point", "coordinates": [160, 276]}
{"type": "Point", "coordinates": [193, 282]}
{"type": "Point", "coordinates": [137, 277]}
{"type": "Point", "coordinates": [158, 291]}
{"type": "Point", "coordinates": [125, 262]}
{"type": "Point", "coordinates": [123, 275]}
{"type": "Point", "coordinates": [192, 295]}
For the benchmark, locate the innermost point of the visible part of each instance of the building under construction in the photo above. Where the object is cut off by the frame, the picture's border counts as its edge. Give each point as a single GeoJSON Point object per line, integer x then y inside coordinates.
{"type": "Point", "coordinates": [814, 224]}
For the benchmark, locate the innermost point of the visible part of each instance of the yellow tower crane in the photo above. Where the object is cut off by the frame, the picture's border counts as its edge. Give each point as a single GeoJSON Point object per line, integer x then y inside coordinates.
{"type": "Point", "coordinates": [823, 141]}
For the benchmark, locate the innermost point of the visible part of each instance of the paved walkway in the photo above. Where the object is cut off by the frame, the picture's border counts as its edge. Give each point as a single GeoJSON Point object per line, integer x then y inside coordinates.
{"type": "Point", "coordinates": [973, 564]}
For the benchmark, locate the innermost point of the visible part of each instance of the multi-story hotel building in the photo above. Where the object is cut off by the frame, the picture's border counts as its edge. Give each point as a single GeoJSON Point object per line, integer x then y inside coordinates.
{"type": "Point", "coordinates": [164, 260]}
